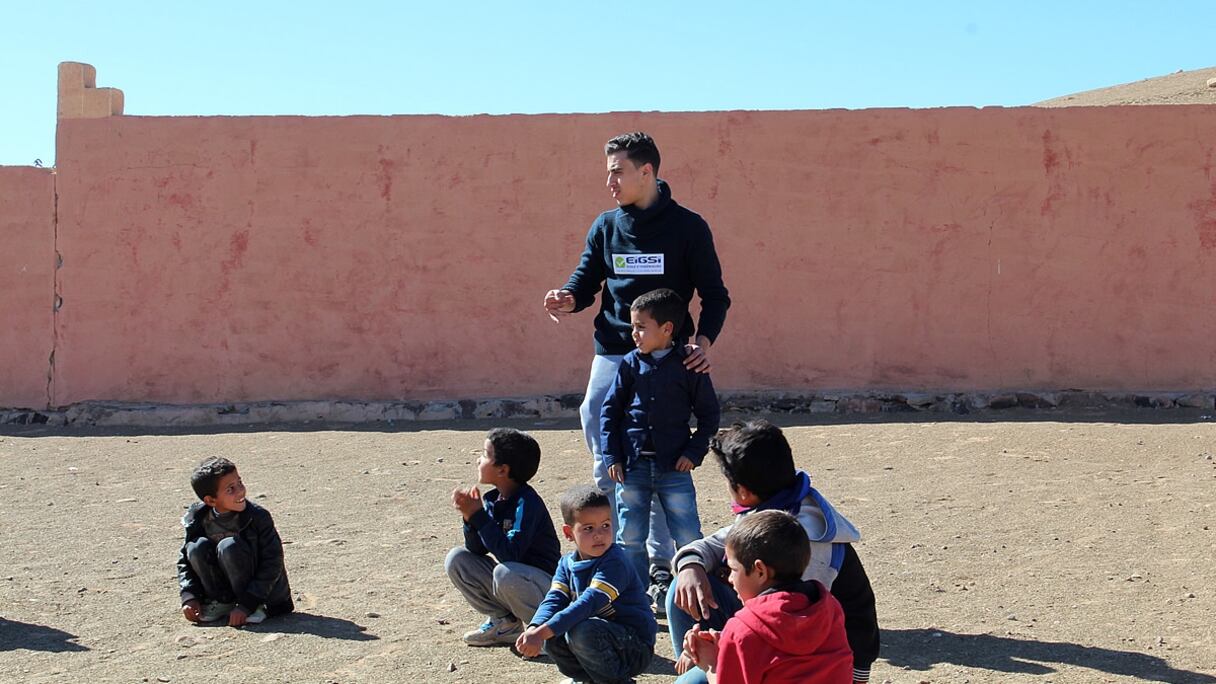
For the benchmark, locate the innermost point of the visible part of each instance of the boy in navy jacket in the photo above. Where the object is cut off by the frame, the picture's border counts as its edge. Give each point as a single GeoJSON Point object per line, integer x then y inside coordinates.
{"type": "Point", "coordinates": [512, 523]}
{"type": "Point", "coordinates": [595, 622]}
{"type": "Point", "coordinates": [648, 448]}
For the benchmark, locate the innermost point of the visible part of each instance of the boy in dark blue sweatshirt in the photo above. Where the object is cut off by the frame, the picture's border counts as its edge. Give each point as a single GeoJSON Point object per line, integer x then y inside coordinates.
{"type": "Point", "coordinates": [595, 622]}
{"type": "Point", "coordinates": [512, 523]}
{"type": "Point", "coordinates": [645, 434]}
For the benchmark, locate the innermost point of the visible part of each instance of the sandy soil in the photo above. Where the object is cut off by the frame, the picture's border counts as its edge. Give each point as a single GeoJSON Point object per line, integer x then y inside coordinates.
{"type": "Point", "coordinates": [1042, 548]}
{"type": "Point", "coordinates": [1180, 87]}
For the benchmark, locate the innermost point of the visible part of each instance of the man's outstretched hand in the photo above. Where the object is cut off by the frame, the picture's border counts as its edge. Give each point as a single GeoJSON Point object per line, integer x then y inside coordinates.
{"type": "Point", "coordinates": [558, 303]}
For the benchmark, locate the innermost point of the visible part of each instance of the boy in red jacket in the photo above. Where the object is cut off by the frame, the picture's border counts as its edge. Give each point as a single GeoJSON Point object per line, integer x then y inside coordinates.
{"type": "Point", "coordinates": [788, 630]}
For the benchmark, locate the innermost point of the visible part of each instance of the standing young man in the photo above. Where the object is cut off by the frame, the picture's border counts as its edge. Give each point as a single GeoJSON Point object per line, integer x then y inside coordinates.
{"type": "Point", "coordinates": [648, 242]}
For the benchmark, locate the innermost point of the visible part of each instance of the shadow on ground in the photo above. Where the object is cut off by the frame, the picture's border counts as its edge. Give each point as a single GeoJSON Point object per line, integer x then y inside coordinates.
{"type": "Point", "coordinates": [316, 625]}
{"type": "Point", "coordinates": [921, 649]}
{"type": "Point", "coordinates": [23, 635]}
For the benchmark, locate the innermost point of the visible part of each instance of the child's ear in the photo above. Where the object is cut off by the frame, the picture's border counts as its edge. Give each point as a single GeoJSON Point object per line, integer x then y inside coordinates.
{"type": "Point", "coordinates": [744, 496]}
{"type": "Point", "coordinates": [668, 328]}
{"type": "Point", "coordinates": [209, 500]}
{"type": "Point", "coordinates": [568, 531]}
{"type": "Point", "coordinates": [760, 570]}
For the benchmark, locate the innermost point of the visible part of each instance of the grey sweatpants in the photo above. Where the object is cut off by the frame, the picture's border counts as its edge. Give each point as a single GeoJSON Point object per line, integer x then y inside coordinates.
{"type": "Point", "coordinates": [497, 589]}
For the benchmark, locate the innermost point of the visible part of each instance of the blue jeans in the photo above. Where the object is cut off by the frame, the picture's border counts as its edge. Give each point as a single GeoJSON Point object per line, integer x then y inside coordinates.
{"type": "Point", "coordinates": [601, 651]}
{"type": "Point", "coordinates": [679, 622]}
{"type": "Point", "coordinates": [677, 498]}
{"type": "Point", "coordinates": [603, 372]}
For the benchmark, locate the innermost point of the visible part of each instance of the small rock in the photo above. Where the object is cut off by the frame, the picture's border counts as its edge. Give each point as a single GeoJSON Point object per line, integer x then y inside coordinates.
{"type": "Point", "coordinates": [373, 614]}
{"type": "Point", "coordinates": [273, 637]}
{"type": "Point", "coordinates": [162, 679]}
{"type": "Point", "coordinates": [1189, 595]}
{"type": "Point", "coordinates": [442, 621]}
{"type": "Point", "coordinates": [181, 656]}
{"type": "Point", "coordinates": [1011, 616]}
{"type": "Point", "coordinates": [82, 590]}
{"type": "Point", "coordinates": [451, 667]}
{"type": "Point", "coordinates": [1212, 82]}
{"type": "Point", "coordinates": [126, 501]}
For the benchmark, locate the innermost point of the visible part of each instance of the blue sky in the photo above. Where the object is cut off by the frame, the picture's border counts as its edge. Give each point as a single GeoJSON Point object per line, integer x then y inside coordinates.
{"type": "Point", "coordinates": [462, 57]}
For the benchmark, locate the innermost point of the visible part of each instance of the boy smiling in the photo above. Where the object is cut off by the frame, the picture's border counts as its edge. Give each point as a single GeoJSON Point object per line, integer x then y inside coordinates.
{"type": "Point", "coordinates": [231, 562]}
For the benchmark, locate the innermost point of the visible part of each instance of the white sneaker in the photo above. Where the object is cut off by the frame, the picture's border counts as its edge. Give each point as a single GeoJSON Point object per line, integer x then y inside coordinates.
{"type": "Point", "coordinates": [214, 610]}
{"type": "Point", "coordinates": [502, 631]}
{"type": "Point", "coordinates": [257, 616]}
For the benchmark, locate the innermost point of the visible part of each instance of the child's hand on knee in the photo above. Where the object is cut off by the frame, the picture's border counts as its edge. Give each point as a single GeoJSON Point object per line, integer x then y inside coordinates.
{"type": "Point", "coordinates": [685, 465]}
{"type": "Point", "coordinates": [190, 609]}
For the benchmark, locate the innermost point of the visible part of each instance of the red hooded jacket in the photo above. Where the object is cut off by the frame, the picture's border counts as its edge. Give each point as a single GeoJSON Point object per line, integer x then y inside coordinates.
{"type": "Point", "coordinates": [790, 635]}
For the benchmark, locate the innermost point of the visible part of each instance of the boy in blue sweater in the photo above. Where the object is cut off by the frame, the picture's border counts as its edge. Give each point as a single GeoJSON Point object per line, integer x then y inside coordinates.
{"type": "Point", "coordinates": [595, 622]}
{"type": "Point", "coordinates": [512, 523]}
{"type": "Point", "coordinates": [645, 436]}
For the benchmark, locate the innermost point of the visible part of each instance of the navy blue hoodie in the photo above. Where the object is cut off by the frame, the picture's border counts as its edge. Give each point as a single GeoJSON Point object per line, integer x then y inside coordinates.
{"type": "Point", "coordinates": [632, 251]}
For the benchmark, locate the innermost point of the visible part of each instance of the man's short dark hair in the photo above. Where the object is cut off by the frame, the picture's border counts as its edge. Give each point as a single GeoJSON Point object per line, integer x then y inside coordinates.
{"type": "Point", "coordinates": [664, 306]}
{"type": "Point", "coordinates": [516, 449]}
{"type": "Point", "coordinates": [579, 498]}
{"type": "Point", "coordinates": [755, 454]}
{"type": "Point", "coordinates": [773, 537]}
{"type": "Point", "coordinates": [638, 147]}
{"type": "Point", "coordinates": [205, 480]}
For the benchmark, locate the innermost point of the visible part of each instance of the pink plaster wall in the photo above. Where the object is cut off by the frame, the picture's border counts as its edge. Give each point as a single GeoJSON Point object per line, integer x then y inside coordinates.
{"type": "Point", "coordinates": [27, 286]}
{"type": "Point", "coordinates": [239, 259]}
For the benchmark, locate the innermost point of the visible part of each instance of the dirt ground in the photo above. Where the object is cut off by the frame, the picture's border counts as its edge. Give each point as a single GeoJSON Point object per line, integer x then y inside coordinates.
{"type": "Point", "coordinates": [1040, 547]}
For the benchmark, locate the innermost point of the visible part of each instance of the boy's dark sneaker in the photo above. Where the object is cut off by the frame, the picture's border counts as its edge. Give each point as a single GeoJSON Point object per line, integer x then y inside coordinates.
{"type": "Point", "coordinates": [660, 582]}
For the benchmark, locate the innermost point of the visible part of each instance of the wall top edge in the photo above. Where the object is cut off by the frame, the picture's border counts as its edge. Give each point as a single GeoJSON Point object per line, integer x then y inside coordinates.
{"type": "Point", "coordinates": [988, 109]}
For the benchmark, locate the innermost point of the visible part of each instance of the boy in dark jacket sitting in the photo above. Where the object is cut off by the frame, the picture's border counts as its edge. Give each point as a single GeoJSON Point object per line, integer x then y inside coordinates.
{"type": "Point", "coordinates": [789, 630]}
{"type": "Point", "coordinates": [231, 563]}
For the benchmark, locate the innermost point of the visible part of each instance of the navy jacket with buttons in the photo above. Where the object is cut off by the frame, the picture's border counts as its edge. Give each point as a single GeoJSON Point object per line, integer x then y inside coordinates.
{"type": "Point", "coordinates": [656, 399]}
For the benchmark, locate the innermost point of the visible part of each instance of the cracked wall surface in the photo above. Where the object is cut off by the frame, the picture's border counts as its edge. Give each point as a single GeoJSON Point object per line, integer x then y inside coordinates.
{"type": "Point", "coordinates": [27, 259]}
{"type": "Point", "coordinates": [208, 260]}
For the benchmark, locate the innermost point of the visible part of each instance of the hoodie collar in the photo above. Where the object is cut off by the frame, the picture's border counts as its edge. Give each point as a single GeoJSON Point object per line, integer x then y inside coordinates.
{"type": "Point", "coordinates": [641, 218]}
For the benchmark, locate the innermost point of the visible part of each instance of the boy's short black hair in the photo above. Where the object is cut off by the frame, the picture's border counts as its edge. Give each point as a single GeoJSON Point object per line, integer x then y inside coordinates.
{"type": "Point", "coordinates": [755, 454]}
{"type": "Point", "coordinates": [516, 449]}
{"type": "Point", "coordinates": [205, 480]}
{"type": "Point", "coordinates": [776, 539]}
{"type": "Point", "coordinates": [664, 306]}
{"type": "Point", "coordinates": [579, 498]}
{"type": "Point", "coordinates": [638, 147]}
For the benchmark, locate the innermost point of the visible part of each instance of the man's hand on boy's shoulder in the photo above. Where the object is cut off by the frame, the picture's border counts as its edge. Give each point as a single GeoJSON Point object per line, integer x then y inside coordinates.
{"type": "Point", "coordinates": [698, 358]}
{"type": "Point", "coordinates": [191, 610]}
{"type": "Point", "coordinates": [467, 501]}
{"type": "Point", "coordinates": [685, 464]}
{"type": "Point", "coordinates": [694, 595]}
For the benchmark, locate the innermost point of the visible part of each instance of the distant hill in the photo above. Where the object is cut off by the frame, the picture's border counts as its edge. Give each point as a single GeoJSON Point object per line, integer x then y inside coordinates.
{"type": "Point", "coordinates": [1182, 87]}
